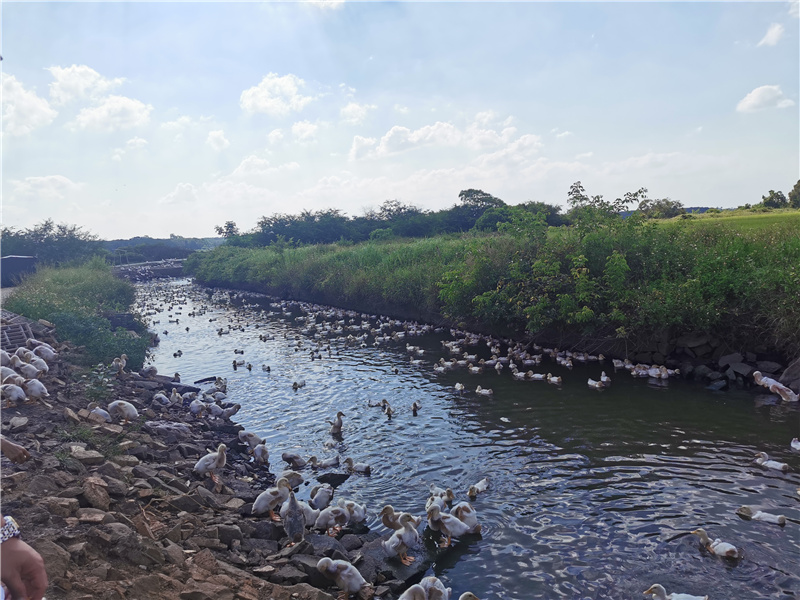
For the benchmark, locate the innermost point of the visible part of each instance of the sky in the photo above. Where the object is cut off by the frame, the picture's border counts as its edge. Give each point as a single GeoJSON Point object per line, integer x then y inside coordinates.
{"type": "Point", "coordinates": [131, 119]}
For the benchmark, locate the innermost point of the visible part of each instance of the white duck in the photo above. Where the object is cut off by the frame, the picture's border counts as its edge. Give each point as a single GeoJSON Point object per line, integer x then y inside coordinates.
{"type": "Point", "coordinates": [658, 592]}
{"type": "Point", "coordinates": [271, 498]}
{"type": "Point", "coordinates": [336, 424]}
{"type": "Point", "coordinates": [449, 525]}
{"type": "Point", "coordinates": [434, 588]}
{"type": "Point", "coordinates": [261, 454]}
{"type": "Point", "coordinates": [95, 408]}
{"type": "Point", "coordinates": [211, 463]}
{"type": "Point", "coordinates": [763, 460]}
{"type": "Point", "coordinates": [321, 496]}
{"type": "Point", "coordinates": [402, 540]}
{"type": "Point", "coordinates": [795, 444]}
{"type": "Point", "coordinates": [295, 460]}
{"type": "Point", "coordinates": [553, 379]}
{"type": "Point", "coordinates": [12, 394]}
{"type": "Point", "coordinates": [464, 512]}
{"type": "Point", "coordinates": [484, 391]}
{"type": "Point", "coordinates": [197, 407]}
{"type": "Point", "coordinates": [362, 468]}
{"type": "Point", "coordinates": [325, 463]}
{"type": "Point", "coordinates": [357, 512]}
{"type": "Point", "coordinates": [747, 513]}
{"type": "Point", "coordinates": [332, 519]}
{"type": "Point", "coordinates": [478, 488]}
{"type": "Point", "coordinates": [344, 574]}
{"type": "Point", "coordinates": [250, 438]}
{"type": "Point", "coordinates": [717, 547]}
{"type": "Point", "coordinates": [35, 389]}
{"type": "Point", "coordinates": [126, 410]}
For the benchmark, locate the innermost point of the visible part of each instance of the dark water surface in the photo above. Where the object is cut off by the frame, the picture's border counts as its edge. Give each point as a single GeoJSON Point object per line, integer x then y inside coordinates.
{"type": "Point", "coordinates": [592, 494]}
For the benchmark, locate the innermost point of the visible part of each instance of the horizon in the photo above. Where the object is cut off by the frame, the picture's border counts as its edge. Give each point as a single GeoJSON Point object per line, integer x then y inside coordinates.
{"type": "Point", "coordinates": [139, 119]}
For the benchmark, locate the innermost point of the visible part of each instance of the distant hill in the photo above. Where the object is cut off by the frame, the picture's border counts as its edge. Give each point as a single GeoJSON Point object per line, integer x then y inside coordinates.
{"type": "Point", "coordinates": [173, 241]}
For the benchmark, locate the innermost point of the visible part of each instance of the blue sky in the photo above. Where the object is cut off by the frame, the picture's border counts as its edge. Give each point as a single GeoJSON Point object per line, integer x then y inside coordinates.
{"type": "Point", "coordinates": [159, 118]}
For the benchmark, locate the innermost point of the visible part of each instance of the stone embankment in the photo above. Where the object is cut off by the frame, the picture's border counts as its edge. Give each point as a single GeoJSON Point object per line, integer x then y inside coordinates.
{"type": "Point", "coordinates": [116, 512]}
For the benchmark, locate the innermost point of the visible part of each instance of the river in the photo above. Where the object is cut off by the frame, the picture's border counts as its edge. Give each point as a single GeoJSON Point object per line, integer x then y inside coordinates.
{"type": "Point", "coordinates": [593, 494]}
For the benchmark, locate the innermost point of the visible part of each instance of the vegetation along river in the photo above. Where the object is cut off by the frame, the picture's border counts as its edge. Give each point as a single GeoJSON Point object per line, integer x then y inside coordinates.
{"type": "Point", "coordinates": [593, 494]}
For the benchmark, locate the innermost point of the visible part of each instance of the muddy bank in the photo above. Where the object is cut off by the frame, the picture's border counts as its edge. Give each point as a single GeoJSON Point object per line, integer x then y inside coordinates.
{"type": "Point", "coordinates": [116, 511]}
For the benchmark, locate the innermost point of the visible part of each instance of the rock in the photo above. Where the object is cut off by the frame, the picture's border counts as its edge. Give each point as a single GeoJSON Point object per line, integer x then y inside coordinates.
{"type": "Point", "coordinates": [18, 424]}
{"type": "Point", "coordinates": [185, 502]}
{"type": "Point", "coordinates": [768, 366]}
{"type": "Point", "coordinates": [333, 479]}
{"type": "Point", "coordinates": [56, 559]}
{"type": "Point", "coordinates": [718, 385]}
{"type": "Point", "coordinates": [174, 553]}
{"type": "Point", "coordinates": [301, 591]}
{"type": "Point", "coordinates": [205, 590]}
{"type": "Point", "coordinates": [730, 358]}
{"type": "Point", "coordinates": [41, 486]}
{"type": "Point", "coordinates": [228, 533]}
{"type": "Point", "coordinates": [93, 516]}
{"type": "Point", "coordinates": [94, 491]}
{"type": "Point", "coordinates": [126, 461]}
{"type": "Point", "coordinates": [792, 373]}
{"type": "Point", "coordinates": [109, 469]}
{"type": "Point", "coordinates": [61, 507]}
{"type": "Point", "coordinates": [86, 457]}
{"type": "Point", "coordinates": [703, 350]}
{"type": "Point", "coordinates": [70, 416]}
{"type": "Point", "coordinates": [205, 560]}
{"type": "Point", "coordinates": [741, 368]}
{"type": "Point", "coordinates": [714, 375]}
{"type": "Point", "coordinates": [702, 371]}
{"type": "Point", "coordinates": [693, 340]}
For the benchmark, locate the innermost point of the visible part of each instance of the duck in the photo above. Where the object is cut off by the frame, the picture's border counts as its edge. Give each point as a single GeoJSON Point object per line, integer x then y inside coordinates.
{"type": "Point", "coordinates": [484, 391]}
{"type": "Point", "coordinates": [25, 369]}
{"type": "Point", "coordinates": [124, 409]}
{"type": "Point", "coordinates": [95, 408]}
{"type": "Point", "coordinates": [336, 424]}
{"type": "Point", "coordinates": [46, 352]}
{"type": "Point", "coordinates": [434, 588]}
{"type": "Point", "coordinates": [261, 454]}
{"type": "Point", "coordinates": [344, 574]}
{"type": "Point", "coordinates": [197, 407]}
{"type": "Point", "coordinates": [437, 500]}
{"type": "Point", "coordinates": [323, 464]}
{"type": "Point", "coordinates": [402, 540]}
{"type": "Point", "coordinates": [763, 460]}
{"type": "Point", "coordinates": [331, 519]}
{"type": "Point", "coordinates": [415, 406]}
{"type": "Point", "coordinates": [294, 521]}
{"type": "Point", "coordinates": [717, 547]}
{"type": "Point", "coordinates": [437, 491]}
{"type": "Point", "coordinates": [211, 463]}
{"type": "Point", "coordinates": [298, 384]}
{"type": "Point", "coordinates": [294, 478]}
{"type": "Point", "coordinates": [748, 514]}
{"type": "Point", "coordinates": [361, 468]}
{"type": "Point", "coordinates": [311, 514]}
{"type": "Point", "coordinates": [321, 496]}
{"type": "Point", "coordinates": [605, 379]}
{"type": "Point", "coordinates": [464, 512]}
{"type": "Point", "coordinates": [35, 389]}
{"type": "Point", "coordinates": [295, 460]}
{"type": "Point", "coordinates": [272, 497]}
{"type": "Point", "coordinates": [449, 525]}
{"type": "Point", "coordinates": [415, 592]}
{"type": "Point", "coordinates": [658, 592]}
{"type": "Point", "coordinates": [161, 399]}
{"type": "Point", "coordinates": [250, 438]}
{"type": "Point", "coordinates": [12, 394]}
{"type": "Point", "coordinates": [595, 385]}
{"type": "Point", "coordinates": [553, 379]}
{"type": "Point", "coordinates": [459, 387]}
{"type": "Point", "coordinates": [478, 488]}
{"type": "Point", "coordinates": [391, 519]}
{"type": "Point", "coordinates": [227, 413]}
{"type": "Point", "coordinates": [795, 445]}
{"type": "Point", "coordinates": [357, 512]}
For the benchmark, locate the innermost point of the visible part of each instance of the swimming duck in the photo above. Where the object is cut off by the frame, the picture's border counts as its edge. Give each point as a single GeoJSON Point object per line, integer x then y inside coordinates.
{"type": "Point", "coordinates": [294, 478]}
{"type": "Point", "coordinates": [795, 444]}
{"type": "Point", "coordinates": [605, 379]}
{"type": "Point", "coordinates": [321, 496]}
{"type": "Point", "coordinates": [459, 387]}
{"type": "Point", "coordinates": [484, 391]}
{"type": "Point", "coordinates": [553, 379]}
{"type": "Point", "coordinates": [415, 592]}
{"type": "Point", "coordinates": [762, 459]}
{"type": "Point", "coordinates": [362, 468]}
{"type": "Point", "coordinates": [211, 463]}
{"type": "Point", "coordinates": [294, 521]}
{"type": "Point", "coordinates": [344, 574]}
{"type": "Point", "coordinates": [415, 406]}
{"type": "Point", "coordinates": [323, 464]}
{"type": "Point", "coordinates": [295, 461]}
{"type": "Point", "coordinates": [336, 424]}
{"type": "Point", "coordinates": [436, 490]}
{"type": "Point", "coordinates": [449, 525]}
{"type": "Point", "coordinates": [332, 519]}
{"type": "Point", "coordinates": [438, 501]}
{"type": "Point", "coordinates": [402, 540]}
{"type": "Point", "coordinates": [124, 409]}
{"type": "Point", "coordinates": [298, 384]}
{"type": "Point", "coordinates": [261, 454]}
{"type": "Point", "coordinates": [270, 498]}
{"type": "Point", "coordinates": [478, 488]}
{"type": "Point", "coordinates": [595, 385]}
{"type": "Point", "coordinates": [658, 592]}
{"type": "Point", "coordinates": [434, 588]}
{"type": "Point", "coordinates": [464, 512]}
{"type": "Point", "coordinates": [748, 514]}
{"type": "Point", "coordinates": [717, 547]}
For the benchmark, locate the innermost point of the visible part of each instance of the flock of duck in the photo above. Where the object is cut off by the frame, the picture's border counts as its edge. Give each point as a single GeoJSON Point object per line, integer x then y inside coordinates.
{"type": "Point", "coordinates": [20, 372]}
{"type": "Point", "coordinates": [322, 324]}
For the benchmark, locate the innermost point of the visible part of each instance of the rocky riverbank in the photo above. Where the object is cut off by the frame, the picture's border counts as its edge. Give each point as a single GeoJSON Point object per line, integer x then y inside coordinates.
{"type": "Point", "coordinates": [116, 512]}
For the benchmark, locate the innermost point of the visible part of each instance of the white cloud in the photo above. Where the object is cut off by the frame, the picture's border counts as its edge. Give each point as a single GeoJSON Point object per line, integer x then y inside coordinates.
{"type": "Point", "coordinates": [184, 193]}
{"type": "Point", "coordinates": [766, 96]}
{"type": "Point", "coordinates": [275, 95]}
{"type": "Point", "coordinates": [515, 153]}
{"type": "Point", "coordinates": [179, 124]}
{"type": "Point", "coordinates": [584, 155]}
{"type": "Point", "coordinates": [49, 188]}
{"type": "Point", "coordinates": [79, 81]}
{"type": "Point", "coordinates": [304, 131]}
{"type": "Point", "coordinates": [216, 139]}
{"type": "Point", "coordinates": [132, 144]}
{"type": "Point", "coordinates": [564, 134]}
{"type": "Point", "coordinates": [23, 110]}
{"type": "Point", "coordinates": [773, 35]}
{"type": "Point", "coordinates": [113, 113]}
{"type": "Point", "coordinates": [403, 110]}
{"type": "Point", "coordinates": [275, 136]}
{"type": "Point", "coordinates": [256, 169]}
{"type": "Point", "coordinates": [361, 147]}
{"type": "Point", "coordinates": [327, 4]}
{"type": "Point", "coordinates": [355, 113]}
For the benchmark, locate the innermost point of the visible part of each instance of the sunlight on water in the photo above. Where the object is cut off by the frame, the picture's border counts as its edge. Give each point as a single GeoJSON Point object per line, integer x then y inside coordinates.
{"type": "Point", "coordinates": [593, 493]}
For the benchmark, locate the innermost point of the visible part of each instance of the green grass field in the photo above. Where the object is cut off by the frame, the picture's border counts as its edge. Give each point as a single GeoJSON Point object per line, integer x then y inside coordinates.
{"type": "Point", "coordinates": [745, 219]}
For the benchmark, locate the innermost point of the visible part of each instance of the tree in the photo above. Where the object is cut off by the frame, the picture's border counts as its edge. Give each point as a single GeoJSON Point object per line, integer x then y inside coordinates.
{"type": "Point", "coordinates": [228, 230]}
{"type": "Point", "coordinates": [775, 200]}
{"type": "Point", "coordinates": [794, 195]}
{"type": "Point", "coordinates": [590, 212]}
{"type": "Point", "coordinates": [52, 243]}
{"type": "Point", "coordinates": [661, 209]}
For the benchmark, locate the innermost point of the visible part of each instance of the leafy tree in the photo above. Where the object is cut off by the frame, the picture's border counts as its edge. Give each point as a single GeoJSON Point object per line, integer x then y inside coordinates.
{"type": "Point", "coordinates": [775, 200]}
{"type": "Point", "coordinates": [794, 195]}
{"type": "Point", "coordinates": [52, 243]}
{"type": "Point", "coordinates": [661, 209]}
{"type": "Point", "coordinates": [228, 230]}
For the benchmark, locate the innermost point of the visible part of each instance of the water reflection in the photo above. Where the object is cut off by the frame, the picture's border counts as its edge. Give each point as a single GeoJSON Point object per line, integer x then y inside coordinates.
{"type": "Point", "coordinates": [592, 493]}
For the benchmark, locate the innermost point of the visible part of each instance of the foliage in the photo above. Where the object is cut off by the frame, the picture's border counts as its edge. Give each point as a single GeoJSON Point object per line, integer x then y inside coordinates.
{"type": "Point", "coordinates": [794, 195]}
{"type": "Point", "coordinates": [51, 243]}
{"type": "Point", "coordinates": [661, 209]}
{"type": "Point", "coordinates": [774, 200]}
{"type": "Point", "coordinates": [74, 299]}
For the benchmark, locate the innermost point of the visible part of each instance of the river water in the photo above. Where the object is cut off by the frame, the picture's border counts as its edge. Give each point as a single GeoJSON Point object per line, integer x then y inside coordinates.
{"type": "Point", "coordinates": [592, 493]}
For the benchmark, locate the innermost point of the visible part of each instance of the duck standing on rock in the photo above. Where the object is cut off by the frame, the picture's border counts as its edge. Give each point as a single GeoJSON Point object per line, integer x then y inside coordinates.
{"type": "Point", "coordinates": [449, 525]}
{"type": "Point", "coordinates": [321, 496]}
{"type": "Point", "coordinates": [261, 454]}
{"type": "Point", "coordinates": [123, 409]}
{"type": "Point", "coordinates": [211, 463]}
{"type": "Point", "coordinates": [271, 498]}
{"type": "Point", "coordinates": [294, 521]}
{"type": "Point", "coordinates": [345, 575]}
{"type": "Point", "coordinates": [402, 540]}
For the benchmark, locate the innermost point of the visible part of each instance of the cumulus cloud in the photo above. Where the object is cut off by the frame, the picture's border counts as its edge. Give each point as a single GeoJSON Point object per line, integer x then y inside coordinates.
{"type": "Point", "coordinates": [113, 113]}
{"type": "Point", "coordinates": [79, 81]}
{"type": "Point", "coordinates": [403, 110]}
{"type": "Point", "coordinates": [275, 95]}
{"type": "Point", "coordinates": [355, 113]}
{"type": "Point", "coordinates": [132, 144]}
{"type": "Point", "coordinates": [361, 147]}
{"type": "Point", "coordinates": [764, 97]}
{"type": "Point", "coordinates": [275, 136]}
{"type": "Point", "coordinates": [23, 110]}
{"type": "Point", "coordinates": [304, 131]}
{"type": "Point", "coordinates": [256, 169]}
{"type": "Point", "coordinates": [773, 35]}
{"type": "Point", "coordinates": [515, 153]}
{"type": "Point", "coordinates": [216, 139]}
{"type": "Point", "coordinates": [48, 188]}
{"type": "Point", "coordinates": [184, 193]}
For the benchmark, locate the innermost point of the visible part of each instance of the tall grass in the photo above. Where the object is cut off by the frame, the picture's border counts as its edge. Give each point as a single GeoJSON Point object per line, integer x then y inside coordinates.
{"type": "Point", "coordinates": [74, 299]}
